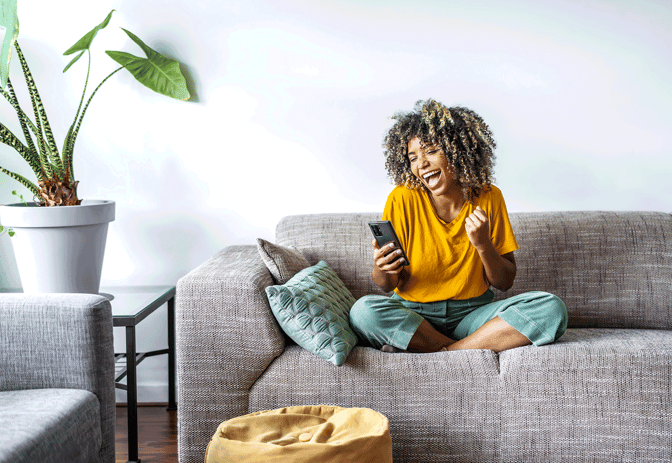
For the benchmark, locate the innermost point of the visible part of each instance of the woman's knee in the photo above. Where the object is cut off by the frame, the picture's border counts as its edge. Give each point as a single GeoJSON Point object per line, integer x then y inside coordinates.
{"type": "Point", "coordinates": [358, 311]}
{"type": "Point", "coordinates": [364, 311]}
{"type": "Point", "coordinates": [545, 310]}
{"type": "Point", "coordinates": [556, 313]}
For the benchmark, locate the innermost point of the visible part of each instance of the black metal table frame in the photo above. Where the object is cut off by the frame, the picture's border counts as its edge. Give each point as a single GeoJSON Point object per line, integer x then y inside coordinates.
{"type": "Point", "coordinates": [133, 358]}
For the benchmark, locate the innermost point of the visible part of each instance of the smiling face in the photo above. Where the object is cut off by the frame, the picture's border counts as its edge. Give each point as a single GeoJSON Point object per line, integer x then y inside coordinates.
{"type": "Point", "coordinates": [430, 165]}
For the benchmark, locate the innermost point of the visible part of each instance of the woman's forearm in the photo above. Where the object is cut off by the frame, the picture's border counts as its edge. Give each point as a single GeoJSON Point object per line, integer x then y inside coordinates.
{"type": "Point", "coordinates": [385, 281]}
{"type": "Point", "coordinates": [499, 270]}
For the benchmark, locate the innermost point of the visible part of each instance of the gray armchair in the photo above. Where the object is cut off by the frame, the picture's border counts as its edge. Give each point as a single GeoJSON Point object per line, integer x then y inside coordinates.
{"type": "Point", "coordinates": [57, 401]}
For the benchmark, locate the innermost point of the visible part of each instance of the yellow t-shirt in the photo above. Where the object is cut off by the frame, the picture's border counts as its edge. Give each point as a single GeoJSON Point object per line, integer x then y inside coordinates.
{"type": "Point", "coordinates": [443, 262]}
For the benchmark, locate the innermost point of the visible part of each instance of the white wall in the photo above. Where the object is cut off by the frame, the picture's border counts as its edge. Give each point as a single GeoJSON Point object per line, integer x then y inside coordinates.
{"type": "Point", "coordinates": [292, 99]}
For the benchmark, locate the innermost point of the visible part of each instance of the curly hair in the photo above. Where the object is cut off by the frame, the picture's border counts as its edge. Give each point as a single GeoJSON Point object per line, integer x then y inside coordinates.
{"type": "Point", "coordinates": [465, 139]}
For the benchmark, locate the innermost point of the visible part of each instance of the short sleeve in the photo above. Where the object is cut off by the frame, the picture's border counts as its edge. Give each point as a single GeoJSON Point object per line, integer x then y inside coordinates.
{"type": "Point", "coordinates": [501, 232]}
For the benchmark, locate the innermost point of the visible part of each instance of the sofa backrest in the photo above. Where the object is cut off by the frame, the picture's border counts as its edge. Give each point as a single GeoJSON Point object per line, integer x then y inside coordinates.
{"type": "Point", "coordinates": [612, 269]}
{"type": "Point", "coordinates": [342, 240]}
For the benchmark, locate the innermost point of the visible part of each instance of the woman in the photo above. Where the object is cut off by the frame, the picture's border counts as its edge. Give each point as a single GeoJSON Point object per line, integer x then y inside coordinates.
{"type": "Point", "coordinates": [454, 226]}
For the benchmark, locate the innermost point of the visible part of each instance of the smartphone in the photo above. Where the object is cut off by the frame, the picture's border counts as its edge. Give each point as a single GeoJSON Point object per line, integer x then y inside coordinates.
{"type": "Point", "coordinates": [384, 233]}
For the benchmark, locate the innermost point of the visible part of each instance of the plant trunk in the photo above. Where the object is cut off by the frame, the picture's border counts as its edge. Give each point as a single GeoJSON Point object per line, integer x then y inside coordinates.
{"type": "Point", "coordinates": [59, 193]}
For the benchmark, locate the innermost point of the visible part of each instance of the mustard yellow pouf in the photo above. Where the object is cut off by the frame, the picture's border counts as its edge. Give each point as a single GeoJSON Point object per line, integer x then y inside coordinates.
{"type": "Point", "coordinates": [320, 433]}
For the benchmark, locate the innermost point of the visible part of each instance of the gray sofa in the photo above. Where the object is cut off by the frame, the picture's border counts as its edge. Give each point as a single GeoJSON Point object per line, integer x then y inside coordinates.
{"type": "Point", "coordinates": [603, 392]}
{"type": "Point", "coordinates": [57, 401]}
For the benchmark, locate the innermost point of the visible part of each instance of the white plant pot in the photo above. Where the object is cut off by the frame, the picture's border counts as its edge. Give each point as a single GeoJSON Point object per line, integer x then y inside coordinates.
{"type": "Point", "coordinates": [59, 249]}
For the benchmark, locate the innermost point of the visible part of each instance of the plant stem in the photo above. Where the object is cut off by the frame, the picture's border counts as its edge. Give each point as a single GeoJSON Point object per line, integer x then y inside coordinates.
{"type": "Point", "coordinates": [77, 124]}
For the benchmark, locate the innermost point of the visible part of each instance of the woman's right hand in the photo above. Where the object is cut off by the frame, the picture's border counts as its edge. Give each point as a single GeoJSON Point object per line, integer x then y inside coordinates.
{"type": "Point", "coordinates": [386, 259]}
{"type": "Point", "coordinates": [388, 266]}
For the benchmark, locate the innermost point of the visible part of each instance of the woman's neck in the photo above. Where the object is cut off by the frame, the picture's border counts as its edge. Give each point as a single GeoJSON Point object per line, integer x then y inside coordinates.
{"type": "Point", "coordinates": [449, 204]}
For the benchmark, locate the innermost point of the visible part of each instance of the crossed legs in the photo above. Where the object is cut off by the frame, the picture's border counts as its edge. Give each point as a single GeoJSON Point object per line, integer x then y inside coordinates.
{"type": "Point", "coordinates": [530, 318]}
{"type": "Point", "coordinates": [496, 335]}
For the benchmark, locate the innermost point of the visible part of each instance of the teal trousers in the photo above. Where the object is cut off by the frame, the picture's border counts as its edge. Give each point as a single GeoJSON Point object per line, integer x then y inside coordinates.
{"type": "Point", "coordinates": [380, 320]}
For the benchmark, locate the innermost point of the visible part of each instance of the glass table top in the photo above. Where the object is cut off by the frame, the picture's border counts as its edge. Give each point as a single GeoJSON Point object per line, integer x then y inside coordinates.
{"type": "Point", "coordinates": [131, 304]}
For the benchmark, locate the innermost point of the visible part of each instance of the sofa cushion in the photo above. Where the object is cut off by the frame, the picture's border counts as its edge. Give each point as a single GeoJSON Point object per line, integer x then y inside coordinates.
{"type": "Point", "coordinates": [283, 262]}
{"type": "Point", "coordinates": [312, 308]}
{"type": "Point", "coordinates": [443, 404]}
{"type": "Point", "coordinates": [49, 425]}
{"type": "Point", "coordinates": [607, 389]}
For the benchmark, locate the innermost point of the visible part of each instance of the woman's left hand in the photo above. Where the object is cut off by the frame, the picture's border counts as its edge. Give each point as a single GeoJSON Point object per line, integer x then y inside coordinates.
{"type": "Point", "coordinates": [478, 228]}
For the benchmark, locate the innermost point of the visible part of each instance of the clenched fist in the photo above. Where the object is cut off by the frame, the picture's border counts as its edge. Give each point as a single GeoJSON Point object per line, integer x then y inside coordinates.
{"type": "Point", "coordinates": [478, 228]}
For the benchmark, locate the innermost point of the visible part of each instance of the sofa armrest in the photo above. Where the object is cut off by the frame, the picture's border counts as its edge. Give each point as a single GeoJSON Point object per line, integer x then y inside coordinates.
{"type": "Point", "coordinates": [60, 341]}
{"type": "Point", "coordinates": [226, 336]}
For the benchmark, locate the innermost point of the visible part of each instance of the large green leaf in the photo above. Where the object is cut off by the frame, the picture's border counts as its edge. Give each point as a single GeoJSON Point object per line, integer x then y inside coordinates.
{"type": "Point", "coordinates": [84, 43]}
{"type": "Point", "coordinates": [26, 123]}
{"type": "Point", "coordinates": [156, 72]}
{"type": "Point", "coordinates": [9, 30]}
{"type": "Point", "coordinates": [48, 149]}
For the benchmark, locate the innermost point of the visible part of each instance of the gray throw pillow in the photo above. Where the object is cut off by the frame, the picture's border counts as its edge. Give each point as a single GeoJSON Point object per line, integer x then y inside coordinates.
{"type": "Point", "coordinates": [312, 308]}
{"type": "Point", "coordinates": [282, 262]}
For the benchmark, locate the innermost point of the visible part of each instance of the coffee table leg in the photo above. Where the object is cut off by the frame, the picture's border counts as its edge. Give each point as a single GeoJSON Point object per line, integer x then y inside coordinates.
{"type": "Point", "coordinates": [172, 405]}
{"type": "Point", "coordinates": [132, 395]}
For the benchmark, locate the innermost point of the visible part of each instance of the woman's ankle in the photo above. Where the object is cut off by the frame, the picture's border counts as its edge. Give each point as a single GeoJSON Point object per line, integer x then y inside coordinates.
{"type": "Point", "coordinates": [427, 339]}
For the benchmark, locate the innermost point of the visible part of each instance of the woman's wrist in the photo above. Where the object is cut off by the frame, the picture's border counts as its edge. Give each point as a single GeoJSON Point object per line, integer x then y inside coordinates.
{"type": "Point", "coordinates": [386, 281]}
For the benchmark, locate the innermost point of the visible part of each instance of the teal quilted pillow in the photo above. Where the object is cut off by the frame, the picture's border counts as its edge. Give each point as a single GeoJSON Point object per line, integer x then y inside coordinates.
{"type": "Point", "coordinates": [312, 308]}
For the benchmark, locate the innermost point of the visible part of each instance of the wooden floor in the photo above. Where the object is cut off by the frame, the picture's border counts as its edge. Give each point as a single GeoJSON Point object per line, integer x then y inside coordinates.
{"type": "Point", "coordinates": [157, 429]}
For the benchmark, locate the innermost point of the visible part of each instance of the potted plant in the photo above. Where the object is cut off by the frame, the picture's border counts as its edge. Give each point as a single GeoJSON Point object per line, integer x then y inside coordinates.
{"type": "Point", "coordinates": [59, 239]}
